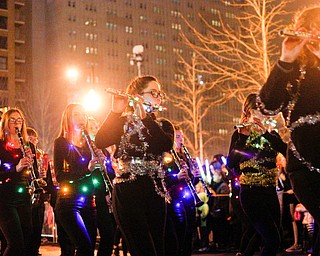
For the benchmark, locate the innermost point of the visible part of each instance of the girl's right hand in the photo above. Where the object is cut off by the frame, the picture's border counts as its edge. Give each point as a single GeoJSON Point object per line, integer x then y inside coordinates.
{"type": "Point", "coordinates": [23, 163]}
{"type": "Point", "coordinates": [291, 48]}
{"type": "Point", "coordinates": [119, 103]}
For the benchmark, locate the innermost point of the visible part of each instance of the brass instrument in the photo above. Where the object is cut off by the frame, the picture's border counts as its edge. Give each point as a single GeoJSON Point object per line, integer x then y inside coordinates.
{"type": "Point", "coordinates": [132, 99]}
{"type": "Point", "coordinates": [299, 34]}
{"type": "Point", "coordinates": [37, 184]}
{"type": "Point", "coordinates": [95, 152]}
{"type": "Point", "coordinates": [197, 200]}
{"type": "Point", "coordinates": [194, 166]}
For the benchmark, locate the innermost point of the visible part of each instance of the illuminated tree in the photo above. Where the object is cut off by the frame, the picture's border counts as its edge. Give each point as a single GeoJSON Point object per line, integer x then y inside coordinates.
{"type": "Point", "coordinates": [235, 53]}
{"type": "Point", "coordinates": [240, 47]}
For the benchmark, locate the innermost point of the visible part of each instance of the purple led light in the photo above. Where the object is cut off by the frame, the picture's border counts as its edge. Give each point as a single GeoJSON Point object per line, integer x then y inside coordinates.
{"type": "Point", "coordinates": [7, 166]}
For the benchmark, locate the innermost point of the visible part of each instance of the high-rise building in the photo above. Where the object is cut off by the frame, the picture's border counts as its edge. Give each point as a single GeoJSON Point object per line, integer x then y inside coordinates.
{"type": "Point", "coordinates": [12, 53]}
{"type": "Point", "coordinates": [98, 39]}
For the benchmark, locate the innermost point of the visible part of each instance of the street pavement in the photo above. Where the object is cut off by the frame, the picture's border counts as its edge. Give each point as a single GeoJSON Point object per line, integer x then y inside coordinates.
{"type": "Point", "coordinates": [54, 250]}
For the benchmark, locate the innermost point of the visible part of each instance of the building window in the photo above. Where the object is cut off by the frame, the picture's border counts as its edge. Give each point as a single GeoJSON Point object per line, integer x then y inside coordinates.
{"type": "Point", "coordinates": [3, 83]}
{"type": "Point", "coordinates": [216, 23]}
{"type": "Point", "coordinates": [143, 18]}
{"type": "Point", "coordinates": [177, 50]}
{"type": "Point", "coordinates": [111, 25]}
{"type": "Point", "coordinates": [223, 131]}
{"type": "Point", "coordinates": [175, 14]}
{"type": "Point", "coordinates": [3, 63]}
{"type": "Point", "coordinates": [129, 29]}
{"type": "Point", "coordinates": [3, 42]}
{"type": "Point", "coordinates": [3, 4]}
{"type": "Point", "coordinates": [3, 22]}
{"type": "Point", "coordinates": [72, 47]}
{"type": "Point", "coordinates": [4, 101]}
{"type": "Point", "coordinates": [72, 4]}
{"type": "Point", "coordinates": [91, 50]}
{"type": "Point", "coordinates": [176, 26]}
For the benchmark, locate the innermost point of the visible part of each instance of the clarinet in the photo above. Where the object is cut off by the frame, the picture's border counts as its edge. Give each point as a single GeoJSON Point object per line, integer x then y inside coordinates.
{"type": "Point", "coordinates": [193, 166]}
{"type": "Point", "coordinates": [95, 153]}
{"type": "Point", "coordinates": [197, 200]}
{"type": "Point", "coordinates": [37, 184]}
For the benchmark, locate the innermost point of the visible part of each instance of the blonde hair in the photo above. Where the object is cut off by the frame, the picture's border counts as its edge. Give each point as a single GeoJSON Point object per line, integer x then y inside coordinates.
{"type": "Point", "coordinates": [5, 124]}
{"type": "Point", "coordinates": [66, 126]}
{"type": "Point", "coordinates": [308, 19]}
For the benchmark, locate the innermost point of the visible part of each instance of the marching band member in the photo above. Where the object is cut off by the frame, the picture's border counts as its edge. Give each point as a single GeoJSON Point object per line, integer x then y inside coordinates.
{"type": "Point", "coordinates": [138, 195]}
{"type": "Point", "coordinates": [73, 164]}
{"type": "Point", "coordinates": [38, 206]}
{"type": "Point", "coordinates": [15, 200]}
{"type": "Point", "coordinates": [181, 216]}
{"type": "Point", "coordinates": [252, 156]}
{"type": "Point", "coordinates": [293, 88]}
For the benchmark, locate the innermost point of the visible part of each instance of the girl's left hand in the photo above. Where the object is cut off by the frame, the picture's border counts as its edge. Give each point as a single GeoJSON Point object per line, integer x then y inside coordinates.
{"type": "Point", "coordinates": [94, 164]}
{"type": "Point", "coordinates": [258, 126]}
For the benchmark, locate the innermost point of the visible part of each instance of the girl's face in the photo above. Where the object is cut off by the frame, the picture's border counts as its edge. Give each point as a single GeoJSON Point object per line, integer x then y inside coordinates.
{"type": "Point", "coordinates": [79, 118]}
{"type": "Point", "coordinates": [152, 93]}
{"type": "Point", "coordinates": [15, 121]}
{"type": "Point", "coordinates": [254, 113]}
{"type": "Point", "coordinates": [179, 138]}
{"type": "Point", "coordinates": [216, 177]}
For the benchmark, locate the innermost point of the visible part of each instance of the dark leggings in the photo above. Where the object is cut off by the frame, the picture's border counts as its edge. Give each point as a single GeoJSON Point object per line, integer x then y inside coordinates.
{"type": "Point", "coordinates": [106, 226]}
{"type": "Point", "coordinates": [140, 213]}
{"type": "Point", "coordinates": [181, 224]}
{"type": "Point", "coordinates": [305, 185]}
{"type": "Point", "coordinates": [78, 219]}
{"type": "Point", "coordinates": [16, 226]}
{"type": "Point", "coordinates": [261, 205]}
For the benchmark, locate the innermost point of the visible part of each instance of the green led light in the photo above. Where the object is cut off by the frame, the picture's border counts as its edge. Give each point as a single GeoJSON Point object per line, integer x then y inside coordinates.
{"type": "Point", "coordinates": [95, 182]}
{"type": "Point", "coordinates": [169, 170]}
{"type": "Point", "coordinates": [84, 189]}
{"type": "Point", "coordinates": [20, 190]}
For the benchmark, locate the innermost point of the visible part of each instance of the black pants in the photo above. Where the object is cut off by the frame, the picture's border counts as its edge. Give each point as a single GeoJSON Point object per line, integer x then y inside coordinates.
{"type": "Point", "coordinates": [306, 187]}
{"type": "Point", "coordinates": [37, 223]}
{"type": "Point", "coordinates": [261, 205]}
{"type": "Point", "coordinates": [66, 245]}
{"type": "Point", "coordinates": [106, 226]}
{"type": "Point", "coordinates": [16, 226]}
{"type": "Point", "coordinates": [140, 213]}
{"type": "Point", "coordinates": [78, 219]}
{"type": "Point", "coordinates": [180, 227]}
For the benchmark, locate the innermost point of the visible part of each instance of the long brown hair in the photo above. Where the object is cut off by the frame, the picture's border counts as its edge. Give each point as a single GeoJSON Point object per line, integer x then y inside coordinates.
{"type": "Point", "coordinates": [5, 124]}
{"type": "Point", "coordinates": [249, 104]}
{"type": "Point", "coordinates": [66, 121]}
{"type": "Point", "coordinates": [308, 19]}
{"type": "Point", "coordinates": [138, 84]}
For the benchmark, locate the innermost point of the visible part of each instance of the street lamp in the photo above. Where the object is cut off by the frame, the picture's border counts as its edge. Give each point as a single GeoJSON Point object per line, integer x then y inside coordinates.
{"type": "Point", "coordinates": [72, 75]}
{"type": "Point", "coordinates": [136, 57]}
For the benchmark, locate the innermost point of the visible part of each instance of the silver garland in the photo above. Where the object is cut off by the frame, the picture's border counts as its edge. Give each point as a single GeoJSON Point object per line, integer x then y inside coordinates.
{"type": "Point", "coordinates": [302, 121]}
{"type": "Point", "coordinates": [138, 166]}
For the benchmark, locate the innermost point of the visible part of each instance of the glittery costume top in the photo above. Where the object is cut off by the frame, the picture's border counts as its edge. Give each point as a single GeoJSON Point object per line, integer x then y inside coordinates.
{"type": "Point", "coordinates": [253, 157]}
{"type": "Point", "coordinates": [288, 84]}
{"type": "Point", "coordinates": [140, 143]}
{"type": "Point", "coordinates": [13, 184]}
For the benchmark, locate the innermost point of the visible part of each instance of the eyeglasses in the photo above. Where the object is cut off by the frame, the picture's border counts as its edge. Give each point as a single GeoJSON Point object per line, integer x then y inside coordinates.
{"type": "Point", "coordinates": [156, 94]}
{"type": "Point", "coordinates": [15, 121]}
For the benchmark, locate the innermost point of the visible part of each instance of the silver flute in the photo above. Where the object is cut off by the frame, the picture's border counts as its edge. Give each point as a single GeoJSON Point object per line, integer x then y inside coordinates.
{"type": "Point", "coordinates": [243, 125]}
{"type": "Point", "coordinates": [132, 98]}
{"type": "Point", "coordinates": [299, 34]}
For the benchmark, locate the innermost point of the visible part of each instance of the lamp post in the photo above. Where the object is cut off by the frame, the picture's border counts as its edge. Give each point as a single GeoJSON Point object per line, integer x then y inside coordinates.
{"type": "Point", "coordinates": [136, 57]}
